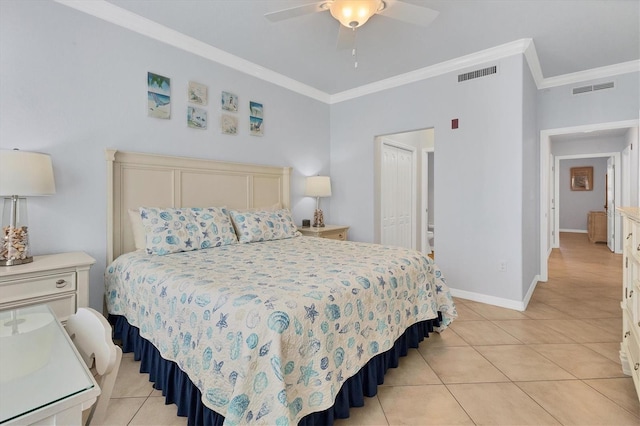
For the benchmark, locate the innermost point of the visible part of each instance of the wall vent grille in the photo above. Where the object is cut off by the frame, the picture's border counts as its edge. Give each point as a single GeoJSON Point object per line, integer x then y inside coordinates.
{"type": "Point", "coordinates": [477, 73]}
{"type": "Point", "coordinates": [593, 88]}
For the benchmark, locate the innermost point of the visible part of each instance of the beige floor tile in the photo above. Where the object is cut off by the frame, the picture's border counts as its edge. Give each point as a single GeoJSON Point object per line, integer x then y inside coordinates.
{"type": "Point", "coordinates": [465, 313]}
{"type": "Point", "coordinates": [521, 363]}
{"type": "Point", "coordinates": [622, 391]}
{"type": "Point", "coordinates": [499, 404]}
{"type": "Point", "coordinates": [421, 405]}
{"type": "Point", "coordinates": [462, 364]}
{"type": "Point", "coordinates": [412, 370]}
{"type": "Point", "coordinates": [122, 410]}
{"type": "Point", "coordinates": [580, 331]}
{"type": "Point", "coordinates": [130, 382]}
{"type": "Point", "coordinates": [610, 350]}
{"type": "Point", "coordinates": [370, 414]}
{"type": "Point", "coordinates": [532, 331]}
{"type": "Point", "coordinates": [446, 338]}
{"type": "Point", "coordinates": [491, 312]}
{"type": "Point", "coordinates": [483, 333]}
{"type": "Point", "coordinates": [154, 412]}
{"type": "Point", "coordinates": [573, 402]}
{"type": "Point", "coordinates": [539, 310]}
{"type": "Point", "coordinates": [580, 361]}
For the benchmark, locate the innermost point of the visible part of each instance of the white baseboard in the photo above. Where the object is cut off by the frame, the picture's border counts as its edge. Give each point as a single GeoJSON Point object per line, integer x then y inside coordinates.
{"type": "Point", "coordinates": [490, 300]}
{"type": "Point", "coordinates": [575, 231]}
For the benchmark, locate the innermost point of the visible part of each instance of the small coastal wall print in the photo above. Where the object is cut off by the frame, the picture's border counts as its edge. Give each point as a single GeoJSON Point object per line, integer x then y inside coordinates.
{"type": "Point", "coordinates": [229, 102]}
{"type": "Point", "coordinates": [229, 124]}
{"type": "Point", "coordinates": [255, 119]}
{"type": "Point", "coordinates": [196, 117]}
{"type": "Point", "coordinates": [158, 96]}
{"type": "Point", "coordinates": [197, 93]}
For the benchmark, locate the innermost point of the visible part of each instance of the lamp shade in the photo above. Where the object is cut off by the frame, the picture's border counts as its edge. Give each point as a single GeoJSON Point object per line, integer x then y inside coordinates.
{"type": "Point", "coordinates": [318, 186]}
{"type": "Point", "coordinates": [25, 173]}
{"type": "Point", "coordinates": [354, 13]}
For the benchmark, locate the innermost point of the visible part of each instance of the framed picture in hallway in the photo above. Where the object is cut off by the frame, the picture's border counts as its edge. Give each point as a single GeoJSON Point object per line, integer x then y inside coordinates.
{"type": "Point", "coordinates": [582, 178]}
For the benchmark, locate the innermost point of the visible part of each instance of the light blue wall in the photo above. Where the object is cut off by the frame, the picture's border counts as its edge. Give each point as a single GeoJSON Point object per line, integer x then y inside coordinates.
{"type": "Point", "coordinates": [530, 184]}
{"type": "Point", "coordinates": [478, 170]}
{"type": "Point", "coordinates": [73, 85]}
{"type": "Point", "coordinates": [558, 107]}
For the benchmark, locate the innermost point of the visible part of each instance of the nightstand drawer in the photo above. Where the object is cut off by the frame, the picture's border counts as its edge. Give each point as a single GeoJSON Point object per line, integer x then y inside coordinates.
{"type": "Point", "coordinates": [46, 285]}
{"type": "Point", "coordinates": [332, 232]}
{"type": "Point", "coordinates": [342, 236]}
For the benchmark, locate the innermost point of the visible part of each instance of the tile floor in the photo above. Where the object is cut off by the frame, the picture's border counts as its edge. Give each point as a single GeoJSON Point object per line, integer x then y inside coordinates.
{"type": "Point", "coordinates": [555, 363]}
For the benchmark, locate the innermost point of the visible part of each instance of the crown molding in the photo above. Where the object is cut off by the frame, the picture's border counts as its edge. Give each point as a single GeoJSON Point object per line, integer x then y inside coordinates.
{"type": "Point", "coordinates": [481, 57]}
{"type": "Point", "coordinates": [592, 74]}
{"type": "Point", "coordinates": [116, 15]}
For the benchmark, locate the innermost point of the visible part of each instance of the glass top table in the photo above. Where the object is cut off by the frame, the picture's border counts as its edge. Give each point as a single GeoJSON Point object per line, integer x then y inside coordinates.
{"type": "Point", "coordinates": [39, 366]}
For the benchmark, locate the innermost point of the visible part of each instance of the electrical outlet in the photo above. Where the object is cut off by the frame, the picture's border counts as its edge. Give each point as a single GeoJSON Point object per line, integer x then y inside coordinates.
{"type": "Point", "coordinates": [502, 266]}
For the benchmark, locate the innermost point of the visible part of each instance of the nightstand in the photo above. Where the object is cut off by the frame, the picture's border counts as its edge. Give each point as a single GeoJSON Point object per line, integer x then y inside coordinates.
{"type": "Point", "coordinates": [59, 280]}
{"type": "Point", "coordinates": [333, 232]}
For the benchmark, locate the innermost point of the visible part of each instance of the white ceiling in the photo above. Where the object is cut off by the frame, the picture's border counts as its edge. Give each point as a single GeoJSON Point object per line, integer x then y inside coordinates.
{"type": "Point", "coordinates": [569, 35]}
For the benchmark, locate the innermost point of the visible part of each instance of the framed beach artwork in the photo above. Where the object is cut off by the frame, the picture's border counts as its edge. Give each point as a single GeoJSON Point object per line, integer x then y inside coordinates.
{"type": "Point", "coordinates": [229, 124]}
{"type": "Point", "coordinates": [158, 96]}
{"type": "Point", "coordinates": [196, 117]}
{"type": "Point", "coordinates": [229, 101]}
{"type": "Point", "coordinates": [582, 178]}
{"type": "Point", "coordinates": [256, 116]}
{"type": "Point", "coordinates": [197, 93]}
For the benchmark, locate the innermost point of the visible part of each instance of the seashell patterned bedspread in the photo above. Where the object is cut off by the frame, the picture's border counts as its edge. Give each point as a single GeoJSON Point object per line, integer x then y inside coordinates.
{"type": "Point", "coordinates": [269, 331]}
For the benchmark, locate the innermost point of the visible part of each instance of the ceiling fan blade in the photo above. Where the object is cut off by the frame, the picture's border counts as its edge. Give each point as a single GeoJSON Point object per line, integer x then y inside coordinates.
{"type": "Point", "coordinates": [294, 12]}
{"type": "Point", "coordinates": [409, 13]}
{"type": "Point", "coordinates": [346, 37]}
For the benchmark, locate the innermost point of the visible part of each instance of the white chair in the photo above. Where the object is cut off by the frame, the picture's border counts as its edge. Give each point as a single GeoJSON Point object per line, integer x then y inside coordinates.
{"type": "Point", "coordinates": [91, 334]}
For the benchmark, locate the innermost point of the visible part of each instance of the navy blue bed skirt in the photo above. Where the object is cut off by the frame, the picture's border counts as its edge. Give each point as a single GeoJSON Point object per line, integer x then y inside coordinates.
{"type": "Point", "coordinates": [178, 388]}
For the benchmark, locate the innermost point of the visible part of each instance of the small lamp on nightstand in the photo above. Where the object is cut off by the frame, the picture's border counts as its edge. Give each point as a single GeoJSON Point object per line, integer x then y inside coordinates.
{"type": "Point", "coordinates": [318, 186]}
{"type": "Point", "coordinates": [22, 173]}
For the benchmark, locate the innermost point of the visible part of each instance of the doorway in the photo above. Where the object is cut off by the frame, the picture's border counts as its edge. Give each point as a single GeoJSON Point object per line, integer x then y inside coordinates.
{"type": "Point", "coordinates": [546, 192]}
{"type": "Point", "coordinates": [401, 189]}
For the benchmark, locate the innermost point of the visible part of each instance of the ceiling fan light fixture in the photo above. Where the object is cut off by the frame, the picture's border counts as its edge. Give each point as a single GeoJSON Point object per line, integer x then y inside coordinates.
{"type": "Point", "coordinates": [354, 13]}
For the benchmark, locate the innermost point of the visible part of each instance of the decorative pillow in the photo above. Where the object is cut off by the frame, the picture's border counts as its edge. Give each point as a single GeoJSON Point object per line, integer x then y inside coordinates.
{"type": "Point", "coordinates": [263, 225]}
{"type": "Point", "coordinates": [139, 239]}
{"type": "Point", "coordinates": [171, 230]}
{"type": "Point", "coordinates": [215, 226]}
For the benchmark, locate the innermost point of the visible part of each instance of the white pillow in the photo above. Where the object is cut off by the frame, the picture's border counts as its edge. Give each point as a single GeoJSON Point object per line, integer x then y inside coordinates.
{"type": "Point", "coordinates": [137, 227]}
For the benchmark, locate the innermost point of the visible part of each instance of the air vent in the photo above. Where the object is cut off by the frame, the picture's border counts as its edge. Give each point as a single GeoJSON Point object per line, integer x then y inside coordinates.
{"type": "Point", "coordinates": [583, 89]}
{"type": "Point", "coordinates": [601, 86]}
{"type": "Point", "coordinates": [593, 88]}
{"type": "Point", "coordinates": [477, 73]}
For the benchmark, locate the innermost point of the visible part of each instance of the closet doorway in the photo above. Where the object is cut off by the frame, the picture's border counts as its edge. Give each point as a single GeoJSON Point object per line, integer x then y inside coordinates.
{"type": "Point", "coordinates": [403, 202]}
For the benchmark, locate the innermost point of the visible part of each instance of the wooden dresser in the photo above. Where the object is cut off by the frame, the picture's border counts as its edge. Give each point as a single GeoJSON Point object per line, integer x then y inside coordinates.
{"type": "Point", "coordinates": [597, 227]}
{"type": "Point", "coordinates": [630, 346]}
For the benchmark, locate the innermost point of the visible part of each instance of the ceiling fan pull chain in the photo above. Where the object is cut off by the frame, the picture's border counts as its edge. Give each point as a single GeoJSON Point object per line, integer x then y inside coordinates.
{"type": "Point", "coordinates": [354, 52]}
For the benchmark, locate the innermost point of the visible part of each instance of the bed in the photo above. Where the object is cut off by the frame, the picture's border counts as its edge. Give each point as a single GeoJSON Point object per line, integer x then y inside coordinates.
{"type": "Point", "coordinates": [270, 328]}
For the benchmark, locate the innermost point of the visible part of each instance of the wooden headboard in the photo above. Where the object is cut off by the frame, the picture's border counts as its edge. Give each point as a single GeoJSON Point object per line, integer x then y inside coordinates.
{"type": "Point", "coordinates": [151, 180]}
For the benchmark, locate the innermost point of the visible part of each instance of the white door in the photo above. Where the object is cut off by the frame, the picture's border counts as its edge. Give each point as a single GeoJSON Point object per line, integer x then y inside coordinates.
{"type": "Point", "coordinates": [397, 182]}
{"type": "Point", "coordinates": [611, 203]}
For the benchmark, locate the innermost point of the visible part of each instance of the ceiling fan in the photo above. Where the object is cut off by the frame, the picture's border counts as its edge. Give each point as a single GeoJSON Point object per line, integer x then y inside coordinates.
{"type": "Point", "coordinates": [354, 13]}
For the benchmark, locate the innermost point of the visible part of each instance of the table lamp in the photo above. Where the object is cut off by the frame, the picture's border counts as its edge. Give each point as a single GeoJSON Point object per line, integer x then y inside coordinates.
{"type": "Point", "coordinates": [318, 186]}
{"type": "Point", "coordinates": [22, 174]}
